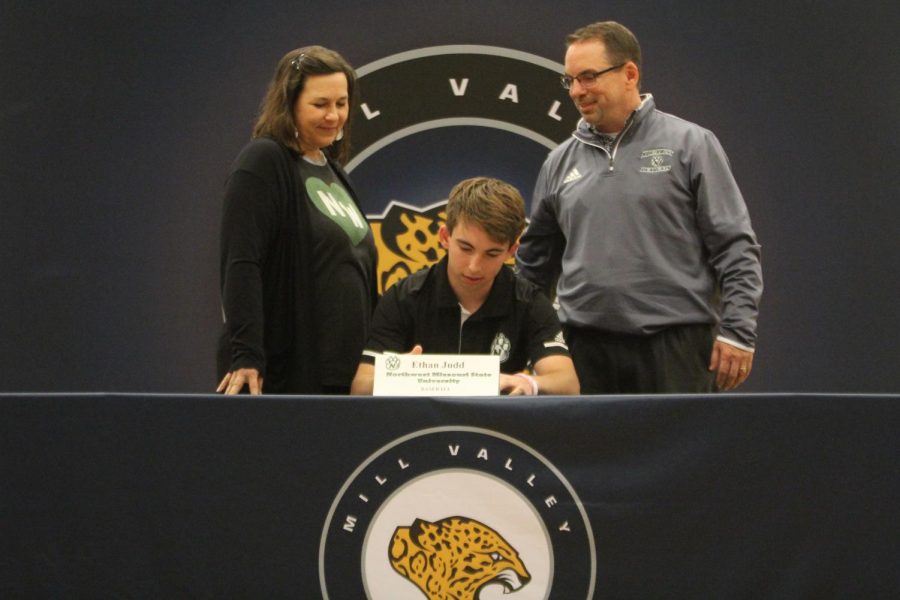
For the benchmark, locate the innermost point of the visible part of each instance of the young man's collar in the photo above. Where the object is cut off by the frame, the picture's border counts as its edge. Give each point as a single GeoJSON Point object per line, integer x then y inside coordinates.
{"type": "Point", "coordinates": [498, 301]}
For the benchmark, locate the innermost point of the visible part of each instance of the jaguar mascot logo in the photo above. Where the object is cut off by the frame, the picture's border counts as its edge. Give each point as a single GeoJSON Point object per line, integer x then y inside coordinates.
{"type": "Point", "coordinates": [454, 558]}
{"type": "Point", "coordinates": [407, 240]}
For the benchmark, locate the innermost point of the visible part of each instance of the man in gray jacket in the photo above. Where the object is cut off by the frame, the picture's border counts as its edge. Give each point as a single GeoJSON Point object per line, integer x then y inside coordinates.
{"type": "Point", "coordinates": [638, 223]}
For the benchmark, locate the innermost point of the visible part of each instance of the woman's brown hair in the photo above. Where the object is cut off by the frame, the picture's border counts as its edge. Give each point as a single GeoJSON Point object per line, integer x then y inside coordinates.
{"type": "Point", "coordinates": [276, 113]}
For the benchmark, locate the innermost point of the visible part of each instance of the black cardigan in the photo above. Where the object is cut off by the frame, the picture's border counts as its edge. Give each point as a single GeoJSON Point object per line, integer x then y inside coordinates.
{"type": "Point", "coordinates": [266, 271]}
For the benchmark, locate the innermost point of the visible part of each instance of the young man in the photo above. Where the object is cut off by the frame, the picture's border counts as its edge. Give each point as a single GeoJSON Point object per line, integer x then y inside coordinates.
{"type": "Point", "coordinates": [472, 303]}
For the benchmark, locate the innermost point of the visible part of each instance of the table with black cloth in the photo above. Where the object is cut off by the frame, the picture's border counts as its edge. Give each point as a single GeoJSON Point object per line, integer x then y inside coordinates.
{"type": "Point", "coordinates": [196, 496]}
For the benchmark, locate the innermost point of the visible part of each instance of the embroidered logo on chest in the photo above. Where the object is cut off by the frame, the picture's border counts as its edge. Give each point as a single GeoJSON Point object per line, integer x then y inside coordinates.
{"type": "Point", "coordinates": [501, 346]}
{"type": "Point", "coordinates": [658, 160]}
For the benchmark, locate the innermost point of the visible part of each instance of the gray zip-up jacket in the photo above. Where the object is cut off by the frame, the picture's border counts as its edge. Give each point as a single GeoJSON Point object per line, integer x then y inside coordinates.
{"type": "Point", "coordinates": [653, 234]}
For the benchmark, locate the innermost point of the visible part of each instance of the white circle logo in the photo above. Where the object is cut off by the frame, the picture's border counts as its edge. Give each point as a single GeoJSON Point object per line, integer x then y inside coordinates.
{"type": "Point", "coordinates": [457, 512]}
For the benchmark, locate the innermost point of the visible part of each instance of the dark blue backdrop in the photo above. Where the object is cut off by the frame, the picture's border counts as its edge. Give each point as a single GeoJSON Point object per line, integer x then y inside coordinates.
{"type": "Point", "coordinates": [118, 122]}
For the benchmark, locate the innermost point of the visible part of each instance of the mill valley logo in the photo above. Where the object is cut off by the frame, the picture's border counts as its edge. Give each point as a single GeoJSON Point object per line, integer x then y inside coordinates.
{"type": "Point", "coordinates": [457, 512]}
{"type": "Point", "coordinates": [440, 90]}
{"type": "Point", "coordinates": [407, 240]}
{"type": "Point", "coordinates": [456, 558]}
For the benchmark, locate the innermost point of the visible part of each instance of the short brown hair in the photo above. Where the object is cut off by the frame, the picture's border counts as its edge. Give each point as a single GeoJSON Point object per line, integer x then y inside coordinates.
{"type": "Point", "coordinates": [494, 205]}
{"type": "Point", "coordinates": [276, 112]}
{"type": "Point", "coordinates": [621, 45]}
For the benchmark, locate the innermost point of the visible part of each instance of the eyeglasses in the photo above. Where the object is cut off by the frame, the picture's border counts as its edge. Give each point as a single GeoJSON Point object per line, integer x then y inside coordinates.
{"type": "Point", "coordinates": [586, 78]}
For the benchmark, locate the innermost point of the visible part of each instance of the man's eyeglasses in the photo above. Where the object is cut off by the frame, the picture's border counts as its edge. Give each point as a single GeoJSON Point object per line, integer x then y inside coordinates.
{"type": "Point", "coordinates": [586, 78]}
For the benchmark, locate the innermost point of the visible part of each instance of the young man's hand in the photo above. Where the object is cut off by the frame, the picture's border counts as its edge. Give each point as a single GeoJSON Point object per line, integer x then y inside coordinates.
{"type": "Point", "coordinates": [518, 384]}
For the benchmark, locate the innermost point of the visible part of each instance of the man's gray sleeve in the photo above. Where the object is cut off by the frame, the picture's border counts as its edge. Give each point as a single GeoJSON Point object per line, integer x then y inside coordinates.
{"type": "Point", "coordinates": [539, 257]}
{"type": "Point", "coordinates": [734, 253]}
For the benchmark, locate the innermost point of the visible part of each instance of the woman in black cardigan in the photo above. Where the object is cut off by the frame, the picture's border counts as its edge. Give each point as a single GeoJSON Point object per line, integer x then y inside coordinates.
{"type": "Point", "coordinates": [298, 257]}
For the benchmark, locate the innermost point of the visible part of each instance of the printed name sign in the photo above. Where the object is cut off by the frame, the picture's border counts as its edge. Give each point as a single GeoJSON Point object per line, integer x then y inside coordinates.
{"type": "Point", "coordinates": [437, 375]}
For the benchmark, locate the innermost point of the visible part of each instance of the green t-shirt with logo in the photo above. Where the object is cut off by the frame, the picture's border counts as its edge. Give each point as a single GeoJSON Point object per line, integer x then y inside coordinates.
{"type": "Point", "coordinates": [344, 255]}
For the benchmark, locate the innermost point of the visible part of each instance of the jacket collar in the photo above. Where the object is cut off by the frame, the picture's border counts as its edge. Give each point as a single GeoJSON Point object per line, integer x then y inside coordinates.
{"type": "Point", "coordinates": [585, 132]}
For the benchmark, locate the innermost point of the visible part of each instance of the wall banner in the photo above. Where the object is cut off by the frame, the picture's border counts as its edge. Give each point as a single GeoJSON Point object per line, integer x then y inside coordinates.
{"type": "Point", "coordinates": [433, 116]}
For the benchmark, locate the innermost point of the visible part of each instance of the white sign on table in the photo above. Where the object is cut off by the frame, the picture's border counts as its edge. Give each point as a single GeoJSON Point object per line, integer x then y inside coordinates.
{"type": "Point", "coordinates": [437, 375]}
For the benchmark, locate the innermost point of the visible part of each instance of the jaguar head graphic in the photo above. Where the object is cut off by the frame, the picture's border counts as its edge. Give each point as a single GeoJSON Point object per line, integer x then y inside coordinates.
{"type": "Point", "coordinates": [455, 558]}
{"type": "Point", "coordinates": [407, 240]}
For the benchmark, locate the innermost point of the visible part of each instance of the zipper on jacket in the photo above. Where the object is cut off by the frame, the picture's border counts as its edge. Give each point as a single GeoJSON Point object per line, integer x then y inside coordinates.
{"type": "Point", "coordinates": [612, 154]}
